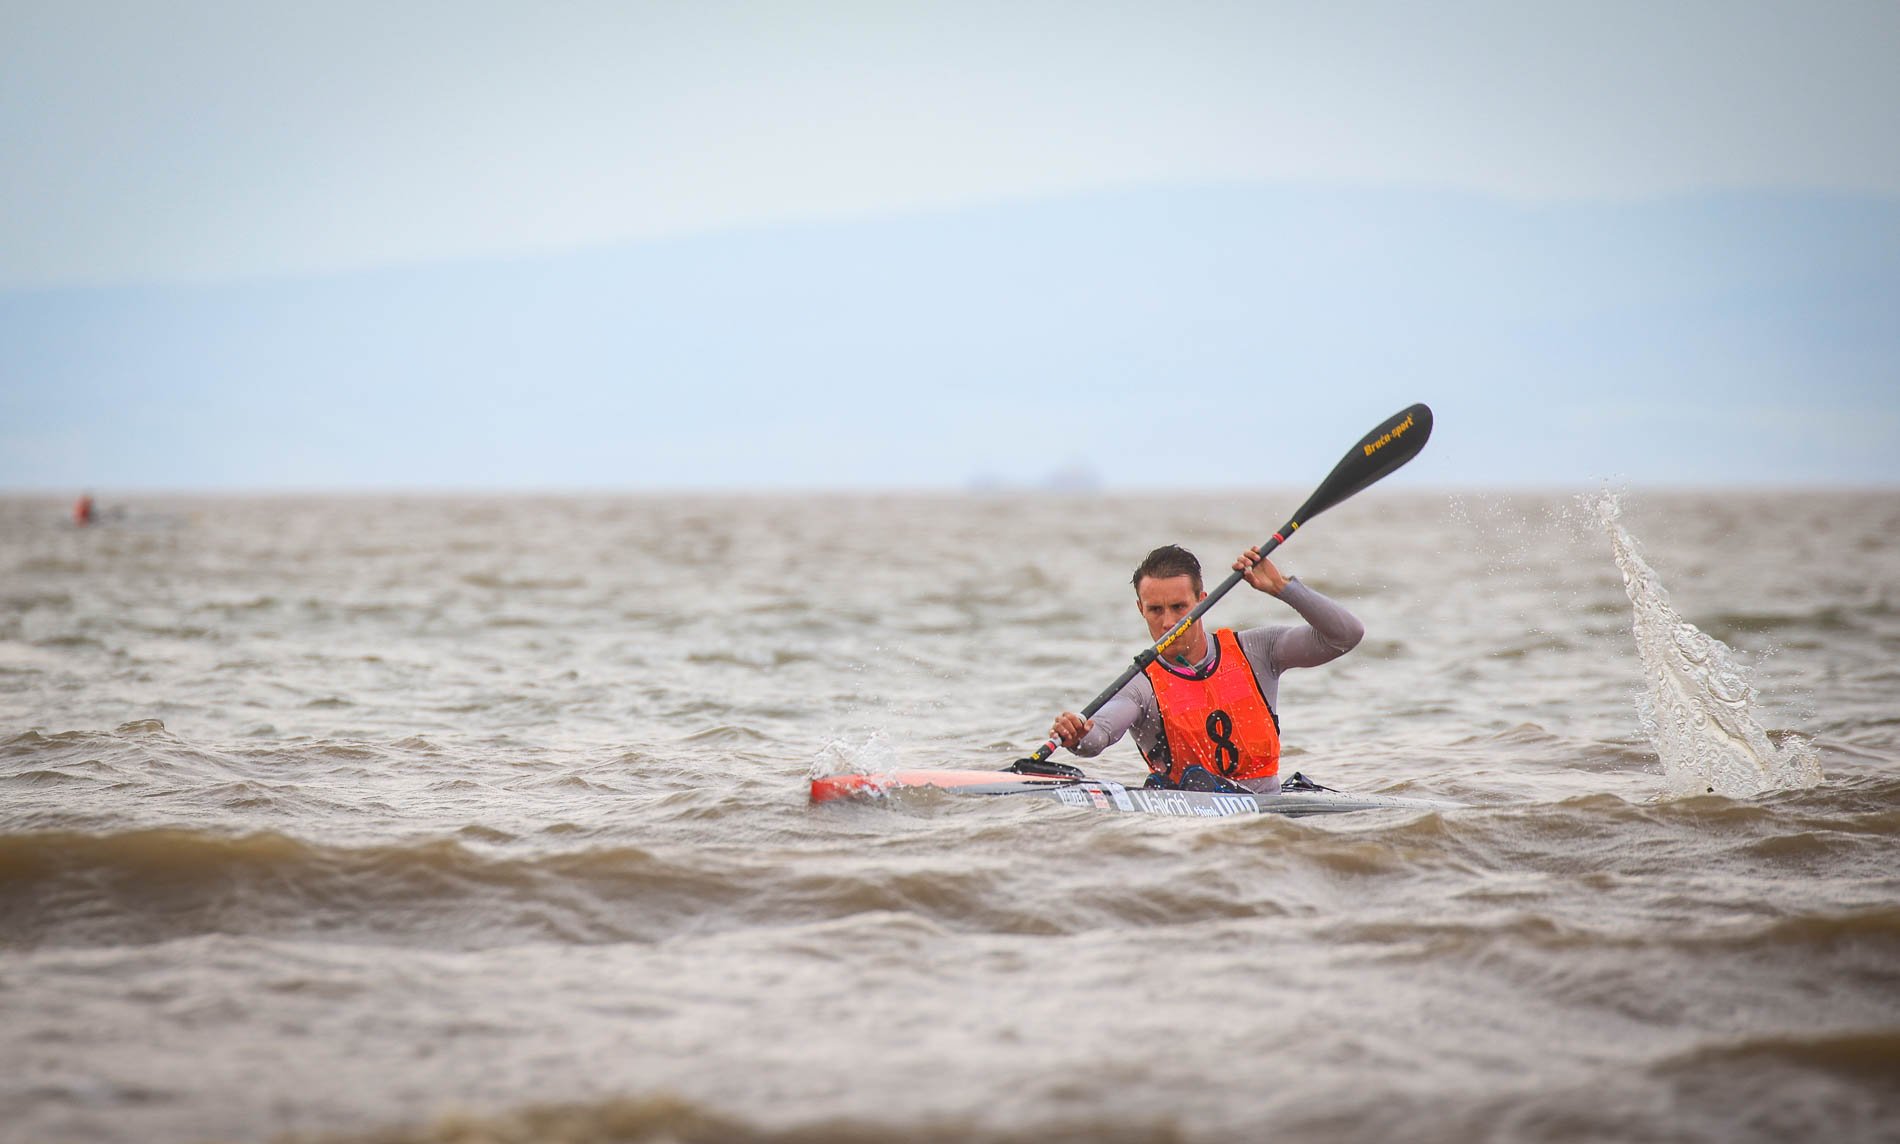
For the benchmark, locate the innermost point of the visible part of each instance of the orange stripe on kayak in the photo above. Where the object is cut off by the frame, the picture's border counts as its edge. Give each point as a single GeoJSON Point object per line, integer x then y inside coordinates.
{"type": "Point", "coordinates": [845, 786]}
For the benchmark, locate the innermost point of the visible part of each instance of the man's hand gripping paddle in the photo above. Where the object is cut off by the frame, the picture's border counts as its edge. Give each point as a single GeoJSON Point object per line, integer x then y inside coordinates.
{"type": "Point", "coordinates": [1397, 440]}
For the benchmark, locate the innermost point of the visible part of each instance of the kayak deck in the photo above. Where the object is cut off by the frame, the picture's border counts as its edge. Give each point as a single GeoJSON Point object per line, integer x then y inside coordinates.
{"type": "Point", "coordinates": [1099, 794]}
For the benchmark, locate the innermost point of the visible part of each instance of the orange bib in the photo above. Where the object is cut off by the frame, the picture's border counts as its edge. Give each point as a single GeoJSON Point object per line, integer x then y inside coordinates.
{"type": "Point", "coordinates": [1218, 720]}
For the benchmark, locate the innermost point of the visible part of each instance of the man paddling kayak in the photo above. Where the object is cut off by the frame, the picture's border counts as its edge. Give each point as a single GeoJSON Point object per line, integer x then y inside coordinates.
{"type": "Point", "coordinates": [1206, 717]}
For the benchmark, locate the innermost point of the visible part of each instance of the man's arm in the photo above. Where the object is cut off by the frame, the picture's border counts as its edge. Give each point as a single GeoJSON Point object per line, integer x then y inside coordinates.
{"type": "Point", "coordinates": [1330, 632]}
{"type": "Point", "coordinates": [1089, 737]}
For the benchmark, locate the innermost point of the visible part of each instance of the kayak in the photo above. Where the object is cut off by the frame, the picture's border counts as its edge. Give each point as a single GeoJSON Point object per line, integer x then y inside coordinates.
{"type": "Point", "coordinates": [1298, 795]}
{"type": "Point", "coordinates": [1377, 455]}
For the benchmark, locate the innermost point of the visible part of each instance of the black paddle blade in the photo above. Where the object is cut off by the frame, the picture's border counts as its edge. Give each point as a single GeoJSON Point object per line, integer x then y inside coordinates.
{"type": "Point", "coordinates": [1378, 454]}
{"type": "Point", "coordinates": [1045, 767]}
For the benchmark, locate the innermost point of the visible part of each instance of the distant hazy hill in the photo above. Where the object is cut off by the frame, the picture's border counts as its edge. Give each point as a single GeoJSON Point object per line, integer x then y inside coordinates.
{"type": "Point", "coordinates": [1219, 336]}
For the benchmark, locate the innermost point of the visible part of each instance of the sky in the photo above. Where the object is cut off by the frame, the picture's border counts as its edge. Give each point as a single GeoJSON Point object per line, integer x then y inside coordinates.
{"type": "Point", "coordinates": [181, 147]}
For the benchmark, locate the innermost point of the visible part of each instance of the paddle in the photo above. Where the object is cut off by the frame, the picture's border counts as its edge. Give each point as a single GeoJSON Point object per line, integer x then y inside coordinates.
{"type": "Point", "coordinates": [1397, 440]}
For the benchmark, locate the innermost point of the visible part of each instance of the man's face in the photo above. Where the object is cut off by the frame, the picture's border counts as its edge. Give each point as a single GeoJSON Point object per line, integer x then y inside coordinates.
{"type": "Point", "coordinates": [1163, 603]}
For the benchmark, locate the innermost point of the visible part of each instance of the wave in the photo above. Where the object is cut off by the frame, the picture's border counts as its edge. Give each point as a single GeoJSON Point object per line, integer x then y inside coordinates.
{"type": "Point", "coordinates": [1776, 1087]}
{"type": "Point", "coordinates": [522, 584]}
{"type": "Point", "coordinates": [1594, 966]}
{"type": "Point", "coordinates": [1824, 620]}
{"type": "Point", "coordinates": [28, 600]}
{"type": "Point", "coordinates": [670, 1119]}
{"type": "Point", "coordinates": [75, 888]}
{"type": "Point", "coordinates": [1797, 1085]}
{"type": "Point", "coordinates": [72, 888]}
{"type": "Point", "coordinates": [1872, 1054]}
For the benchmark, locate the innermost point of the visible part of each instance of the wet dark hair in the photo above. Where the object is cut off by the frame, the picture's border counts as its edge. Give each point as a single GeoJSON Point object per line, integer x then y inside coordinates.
{"type": "Point", "coordinates": [1167, 562]}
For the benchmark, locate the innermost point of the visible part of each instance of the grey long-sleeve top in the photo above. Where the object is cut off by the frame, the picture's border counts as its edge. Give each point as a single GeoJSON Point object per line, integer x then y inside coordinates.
{"type": "Point", "coordinates": [1330, 631]}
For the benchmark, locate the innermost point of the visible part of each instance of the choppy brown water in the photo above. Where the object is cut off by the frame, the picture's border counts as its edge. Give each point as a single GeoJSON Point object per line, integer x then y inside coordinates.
{"type": "Point", "coordinates": [337, 817]}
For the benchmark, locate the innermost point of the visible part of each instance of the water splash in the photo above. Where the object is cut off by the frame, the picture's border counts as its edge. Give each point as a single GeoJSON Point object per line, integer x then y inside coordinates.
{"type": "Point", "coordinates": [1698, 709]}
{"type": "Point", "coordinates": [838, 757]}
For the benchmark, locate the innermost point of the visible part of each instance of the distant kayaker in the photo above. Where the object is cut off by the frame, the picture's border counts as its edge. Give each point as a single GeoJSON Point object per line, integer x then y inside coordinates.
{"type": "Point", "coordinates": [82, 510]}
{"type": "Point", "coordinates": [1206, 717]}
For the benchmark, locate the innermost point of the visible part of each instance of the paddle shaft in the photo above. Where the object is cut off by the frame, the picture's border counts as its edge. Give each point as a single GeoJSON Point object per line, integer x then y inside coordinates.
{"type": "Point", "coordinates": [1397, 440]}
